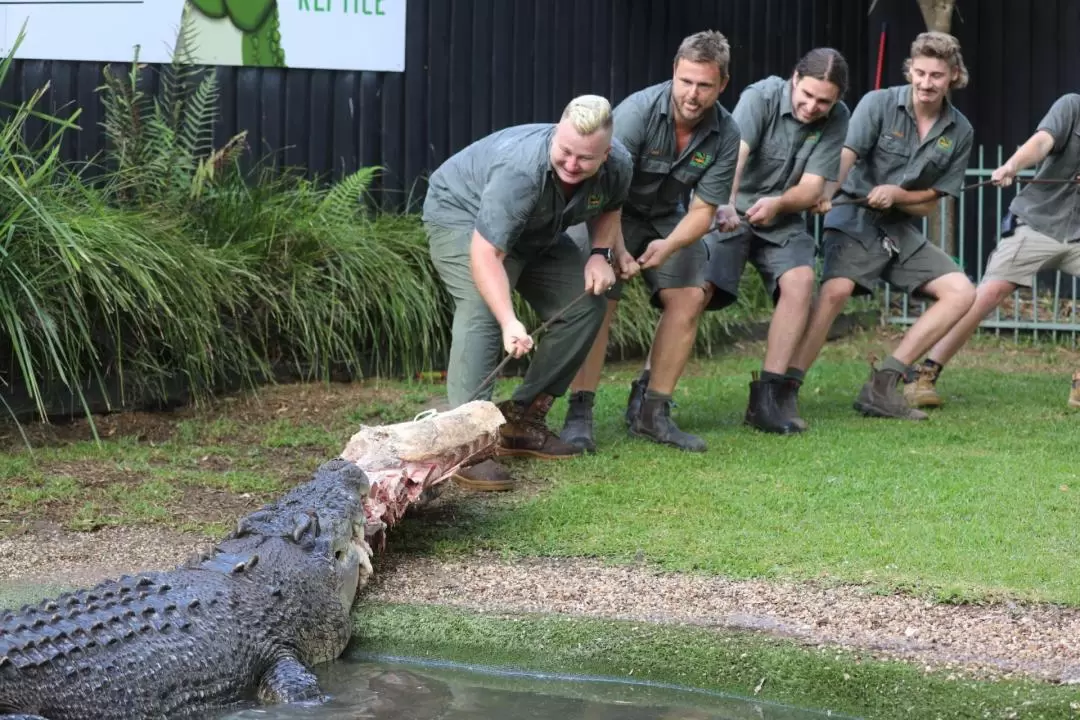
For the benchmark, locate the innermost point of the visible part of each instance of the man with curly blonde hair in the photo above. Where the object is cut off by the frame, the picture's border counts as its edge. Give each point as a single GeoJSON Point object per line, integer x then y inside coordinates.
{"type": "Point", "coordinates": [906, 147]}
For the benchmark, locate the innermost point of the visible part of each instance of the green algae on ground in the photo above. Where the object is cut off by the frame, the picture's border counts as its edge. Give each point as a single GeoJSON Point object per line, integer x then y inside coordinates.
{"type": "Point", "coordinates": [740, 663]}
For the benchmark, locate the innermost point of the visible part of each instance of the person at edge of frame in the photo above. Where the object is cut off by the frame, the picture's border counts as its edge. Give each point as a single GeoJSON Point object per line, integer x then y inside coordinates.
{"type": "Point", "coordinates": [907, 146]}
{"type": "Point", "coordinates": [792, 129]}
{"type": "Point", "coordinates": [680, 139]}
{"type": "Point", "coordinates": [1040, 232]}
{"type": "Point", "coordinates": [495, 215]}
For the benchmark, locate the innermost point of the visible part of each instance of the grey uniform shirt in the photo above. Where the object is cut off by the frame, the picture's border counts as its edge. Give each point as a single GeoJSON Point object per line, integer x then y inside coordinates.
{"type": "Point", "coordinates": [884, 134]}
{"type": "Point", "coordinates": [782, 149]}
{"type": "Point", "coordinates": [503, 185]}
{"type": "Point", "coordinates": [663, 177]}
{"type": "Point", "coordinates": [1054, 210]}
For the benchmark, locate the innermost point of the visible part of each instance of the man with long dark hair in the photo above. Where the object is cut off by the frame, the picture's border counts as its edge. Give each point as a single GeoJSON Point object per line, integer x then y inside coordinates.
{"type": "Point", "coordinates": [792, 131]}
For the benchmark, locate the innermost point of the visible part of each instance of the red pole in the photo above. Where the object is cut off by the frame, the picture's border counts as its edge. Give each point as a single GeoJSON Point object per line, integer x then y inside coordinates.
{"type": "Point", "coordinates": [880, 57]}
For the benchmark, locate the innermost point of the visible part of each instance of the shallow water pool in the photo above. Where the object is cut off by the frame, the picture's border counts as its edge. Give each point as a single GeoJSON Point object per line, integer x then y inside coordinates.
{"type": "Point", "coordinates": [391, 688]}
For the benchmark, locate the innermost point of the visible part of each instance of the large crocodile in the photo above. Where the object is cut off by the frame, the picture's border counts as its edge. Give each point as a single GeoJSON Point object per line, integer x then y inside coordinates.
{"type": "Point", "coordinates": [241, 624]}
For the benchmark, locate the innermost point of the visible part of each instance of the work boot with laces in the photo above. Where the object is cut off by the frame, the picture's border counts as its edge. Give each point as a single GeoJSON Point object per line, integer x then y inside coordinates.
{"type": "Point", "coordinates": [484, 476]}
{"type": "Point", "coordinates": [764, 410]}
{"type": "Point", "coordinates": [880, 397]}
{"type": "Point", "coordinates": [654, 423]}
{"type": "Point", "coordinates": [1074, 394]}
{"type": "Point", "coordinates": [525, 432]}
{"type": "Point", "coordinates": [921, 391]}
{"type": "Point", "coordinates": [578, 426]}
{"type": "Point", "coordinates": [637, 396]}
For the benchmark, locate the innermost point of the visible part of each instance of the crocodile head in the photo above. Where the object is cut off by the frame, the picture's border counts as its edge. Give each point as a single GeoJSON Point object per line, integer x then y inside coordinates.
{"type": "Point", "coordinates": [323, 519]}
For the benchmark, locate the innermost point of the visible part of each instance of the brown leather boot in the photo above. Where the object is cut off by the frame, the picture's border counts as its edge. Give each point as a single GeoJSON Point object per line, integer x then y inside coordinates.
{"type": "Point", "coordinates": [880, 397]}
{"type": "Point", "coordinates": [526, 434]}
{"type": "Point", "coordinates": [484, 476]}
{"type": "Point", "coordinates": [922, 392]}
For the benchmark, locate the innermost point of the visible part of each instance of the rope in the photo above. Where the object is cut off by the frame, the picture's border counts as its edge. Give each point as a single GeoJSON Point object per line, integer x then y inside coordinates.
{"type": "Point", "coordinates": [492, 375]}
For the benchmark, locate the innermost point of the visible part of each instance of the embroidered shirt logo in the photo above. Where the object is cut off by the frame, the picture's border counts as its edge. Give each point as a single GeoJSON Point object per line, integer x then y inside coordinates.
{"type": "Point", "coordinates": [944, 143]}
{"type": "Point", "coordinates": [813, 137]}
{"type": "Point", "coordinates": [594, 201]}
{"type": "Point", "coordinates": [700, 159]}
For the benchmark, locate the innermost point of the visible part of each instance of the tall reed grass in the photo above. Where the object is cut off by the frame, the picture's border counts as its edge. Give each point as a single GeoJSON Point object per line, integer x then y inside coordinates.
{"type": "Point", "coordinates": [171, 264]}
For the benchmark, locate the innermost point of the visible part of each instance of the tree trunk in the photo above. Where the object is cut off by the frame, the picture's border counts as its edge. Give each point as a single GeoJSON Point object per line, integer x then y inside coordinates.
{"type": "Point", "coordinates": [937, 14]}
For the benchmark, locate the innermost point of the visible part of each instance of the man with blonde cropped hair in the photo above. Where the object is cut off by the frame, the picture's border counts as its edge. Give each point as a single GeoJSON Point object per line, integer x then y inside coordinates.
{"type": "Point", "coordinates": [495, 215]}
{"type": "Point", "coordinates": [906, 147]}
{"type": "Point", "coordinates": [681, 141]}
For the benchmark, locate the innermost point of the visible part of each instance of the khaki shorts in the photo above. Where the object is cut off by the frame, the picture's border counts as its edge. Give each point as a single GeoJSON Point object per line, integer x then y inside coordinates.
{"type": "Point", "coordinates": [846, 257]}
{"type": "Point", "coordinates": [1019, 257]}
{"type": "Point", "coordinates": [685, 268]}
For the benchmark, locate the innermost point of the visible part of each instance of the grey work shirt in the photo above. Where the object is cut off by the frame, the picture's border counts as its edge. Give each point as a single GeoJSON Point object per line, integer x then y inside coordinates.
{"type": "Point", "coordinates": [1054, 210]}
{"type": "Point", "coordinates": [782, 149]}
{"type": "Point", "coordinates": [503, 185]}
{"type": "Point", "coordinates": [662, 176]}
{"type": "Point", "coordinates": [884, 134]}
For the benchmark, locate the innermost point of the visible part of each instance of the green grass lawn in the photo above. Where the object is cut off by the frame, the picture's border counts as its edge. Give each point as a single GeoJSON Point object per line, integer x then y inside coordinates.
{"type": "Point", "coordinates": [978, 502]}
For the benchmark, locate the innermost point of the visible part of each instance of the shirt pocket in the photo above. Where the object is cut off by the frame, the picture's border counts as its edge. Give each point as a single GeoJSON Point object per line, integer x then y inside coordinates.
{"type": "Point", "coordinates": [891, 158]}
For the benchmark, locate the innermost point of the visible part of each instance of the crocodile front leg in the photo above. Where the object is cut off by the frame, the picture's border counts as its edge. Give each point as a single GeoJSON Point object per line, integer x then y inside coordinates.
{"type": "Point", "coordinates": [288, 681]}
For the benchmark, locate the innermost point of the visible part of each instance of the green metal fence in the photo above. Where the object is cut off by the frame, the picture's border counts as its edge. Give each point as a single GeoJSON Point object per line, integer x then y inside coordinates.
{"type": "Point", "coordinates": [1046, 311]}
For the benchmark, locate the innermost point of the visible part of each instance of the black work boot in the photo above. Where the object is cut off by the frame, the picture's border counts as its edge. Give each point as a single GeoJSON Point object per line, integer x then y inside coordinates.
{"type": "Point", "coordinates": [788, 400]}
{"type": "Point", "coordinates": [637, 397]}
{"type": "Point", "coordinates": [763, 410]}
{"type": "Point", "coordinates": [654, 422]}
{"type": "Point", "coordinates": [578, 426]}
{"type": "Point", "coordinates": [525, 432]}
{"type": "Point", "coordinates": [881, 396]}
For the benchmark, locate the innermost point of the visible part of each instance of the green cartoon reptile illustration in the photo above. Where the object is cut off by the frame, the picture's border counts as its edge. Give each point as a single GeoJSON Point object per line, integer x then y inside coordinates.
{"type": "Point", "coordinates": [217, 25]}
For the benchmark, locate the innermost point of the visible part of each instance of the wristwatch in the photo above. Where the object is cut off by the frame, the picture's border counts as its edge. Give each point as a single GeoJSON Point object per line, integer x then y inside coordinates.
{"type": "Point", "coordinates": [606, 252]}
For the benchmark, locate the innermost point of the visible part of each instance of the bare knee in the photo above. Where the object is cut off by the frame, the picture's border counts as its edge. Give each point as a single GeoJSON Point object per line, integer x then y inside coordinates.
{"type": "Point", "coordinates": [797, 284]}
{"type": "Point", "coordinates": [953, 289]}
{"type": "Point", "coordinates": [991, 293]}
{"type": "Point", "coordinates": [835, 292]}
{"type": "Point", "coordinates": [684, 304]}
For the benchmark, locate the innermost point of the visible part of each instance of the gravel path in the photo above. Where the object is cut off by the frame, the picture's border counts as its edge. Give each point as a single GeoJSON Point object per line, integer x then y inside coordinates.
{"type": "Point", "coordinates": [997, 639]}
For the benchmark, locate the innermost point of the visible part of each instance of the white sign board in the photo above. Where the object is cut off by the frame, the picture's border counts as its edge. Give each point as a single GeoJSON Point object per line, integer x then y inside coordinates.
{"type": "Point", "coordinates": [325, 34]}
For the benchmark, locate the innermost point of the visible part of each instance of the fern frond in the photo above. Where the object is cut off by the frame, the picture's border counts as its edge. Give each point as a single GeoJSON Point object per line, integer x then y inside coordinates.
{"type": "Point", "coordinates": [195, 131]}
{"type": "Point", "coordinates": [342, 202]}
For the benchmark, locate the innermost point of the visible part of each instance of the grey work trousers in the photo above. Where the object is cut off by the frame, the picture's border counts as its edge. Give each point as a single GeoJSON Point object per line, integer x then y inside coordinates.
{"type": "Point", "coordinates": [548, 280]}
